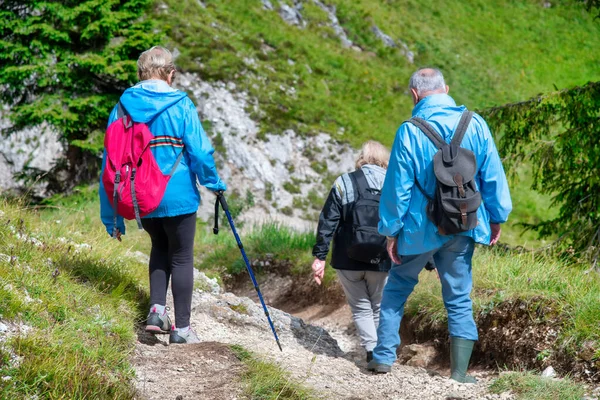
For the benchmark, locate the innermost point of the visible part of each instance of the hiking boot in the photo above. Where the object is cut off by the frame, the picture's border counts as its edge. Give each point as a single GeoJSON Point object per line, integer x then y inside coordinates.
{"type": "Point", "coordinates": [158, 323]}
{"type": "Point", "coordinates": [379, 368]}
{"type": "Point", "coordinates": [178, 336]}
{"type": "Point", "coordinates": [369, 356]}
{"type": "Point", "coordinates": [460, 354]}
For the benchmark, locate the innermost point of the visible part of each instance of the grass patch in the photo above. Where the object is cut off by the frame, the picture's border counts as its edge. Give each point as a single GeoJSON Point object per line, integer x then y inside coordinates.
{"type": "Point", "coordinates": [267, 381]}
{"type": "Point", "coordinates": [239, 308]}
{"type": "Point", "coordinates": [528, 386]}
{"type": "Point", "coordinates": [270, 241]}
{"type": "Point", "coordinates": [534, 49]}
{"type": "Point", "coordinates": [78, 307]}
{"type": "Point", "coordinates": [500, 276]}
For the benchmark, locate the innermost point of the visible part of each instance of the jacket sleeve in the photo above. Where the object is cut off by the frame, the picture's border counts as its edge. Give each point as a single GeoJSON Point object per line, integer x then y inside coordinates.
{"type": "Point", "coordinates": [106, 208]}
{"type": "Point", "coordinates": [397, 186]}
{"type": "Point", "coordinates": [200, 151]}
{"type": "Point", "coordinates": [492, 180]}
{"type": "Point", "coordinates": [328, 223]}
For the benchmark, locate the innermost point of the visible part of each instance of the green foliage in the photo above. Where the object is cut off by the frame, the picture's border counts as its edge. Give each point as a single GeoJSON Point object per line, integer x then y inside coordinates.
{"type": "Point", "coordinates": [237, 205]}
{"type": "Point", "coordinates": [80, 306]}
{"type": "Point", "coordinates": [279, 242]}
{"type": "Point", "coordinates": [529, 386]}
{"type": "Point", "coordinates": [267, 381]}
{"type": "Point", "coordinates": [503, 51]}
{"type": "Point", "coordinates": [67, 62]}
{"type": "Point", "coordinates": [558, 135]}
{"type": "Point", "coordinates": [291, 187]}
{"type": "Point", "coordinates": [499, 276]}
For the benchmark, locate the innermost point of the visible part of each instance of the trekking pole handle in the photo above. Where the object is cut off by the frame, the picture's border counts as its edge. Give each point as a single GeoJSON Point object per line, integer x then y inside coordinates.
{"type": "Point", "coordinates": [220, 200]}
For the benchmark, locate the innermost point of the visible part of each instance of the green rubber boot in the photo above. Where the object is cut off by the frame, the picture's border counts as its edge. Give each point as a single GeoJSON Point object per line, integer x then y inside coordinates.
{"type": "Point", "coordinates": [460, 354]}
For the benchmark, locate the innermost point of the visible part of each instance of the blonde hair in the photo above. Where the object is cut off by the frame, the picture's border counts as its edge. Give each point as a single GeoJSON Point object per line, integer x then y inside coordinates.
{"type": "Point", "coordinates": [155, 63]}
{"type": "Point", "coordinates": [373, 152]}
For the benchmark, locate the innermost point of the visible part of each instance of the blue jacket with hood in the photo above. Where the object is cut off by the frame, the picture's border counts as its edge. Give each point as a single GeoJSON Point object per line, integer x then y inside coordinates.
{"type": "Point", "coordinates": [402, 207]}
{"type": "Point", "coordinates": [173, 120]}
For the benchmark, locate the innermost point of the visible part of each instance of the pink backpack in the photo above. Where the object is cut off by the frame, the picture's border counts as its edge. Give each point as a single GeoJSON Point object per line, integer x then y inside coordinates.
{"type": "Point", "coordinates": [131, 176]}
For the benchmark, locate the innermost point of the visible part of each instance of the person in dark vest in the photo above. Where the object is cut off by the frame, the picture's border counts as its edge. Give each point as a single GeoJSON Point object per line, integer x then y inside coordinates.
{"type": "Point", "coordinates": [413, 237]}
{"type": "Point", "coordinates": [362, 278]}
{"type": "Point", "coordinates": [173, 120]}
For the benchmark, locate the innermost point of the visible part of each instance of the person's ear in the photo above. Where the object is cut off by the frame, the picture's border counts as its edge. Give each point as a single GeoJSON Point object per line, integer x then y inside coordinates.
{"type": "Point", "coordinates": [447, 89]}
{"type": "Point", "coordinates": [415, 95]}
{"type": "Point", "coordinates": [170, 77]}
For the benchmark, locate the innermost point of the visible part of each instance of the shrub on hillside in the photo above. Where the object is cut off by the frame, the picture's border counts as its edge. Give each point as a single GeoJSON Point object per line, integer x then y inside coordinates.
{"type": "Point", "coordinates": [67, 62]}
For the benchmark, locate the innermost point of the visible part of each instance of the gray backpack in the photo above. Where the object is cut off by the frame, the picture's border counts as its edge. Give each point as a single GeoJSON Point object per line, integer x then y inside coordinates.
{"type": "Point", "coordinates": [453, 207]}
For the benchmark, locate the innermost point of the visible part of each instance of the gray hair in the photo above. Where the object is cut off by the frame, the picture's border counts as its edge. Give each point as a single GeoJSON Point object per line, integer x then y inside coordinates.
{"type": "Point", "coordinates": [426, 80]}
{"type": "Point", "coordinates": [155, 63]}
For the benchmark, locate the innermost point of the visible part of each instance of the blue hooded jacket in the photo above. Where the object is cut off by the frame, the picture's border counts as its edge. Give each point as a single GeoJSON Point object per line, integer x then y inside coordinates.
{"type": "Point", "coordinates": [173, 120]}
{"type": "Point", "coordinates": [402, 207]}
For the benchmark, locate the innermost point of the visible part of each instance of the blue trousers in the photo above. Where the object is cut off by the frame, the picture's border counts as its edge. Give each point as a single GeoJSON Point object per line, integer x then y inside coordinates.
{"type": "Point", "coordinates": [453, 262]}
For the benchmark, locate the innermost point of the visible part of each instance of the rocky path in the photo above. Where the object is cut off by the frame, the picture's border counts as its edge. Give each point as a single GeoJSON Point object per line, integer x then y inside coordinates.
{"type": "Point", "coordinates": [311, 355]}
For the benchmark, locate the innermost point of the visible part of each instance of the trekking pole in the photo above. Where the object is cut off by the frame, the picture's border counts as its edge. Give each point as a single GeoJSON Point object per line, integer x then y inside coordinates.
{"type": "Point", "coordinates": [221, 200]}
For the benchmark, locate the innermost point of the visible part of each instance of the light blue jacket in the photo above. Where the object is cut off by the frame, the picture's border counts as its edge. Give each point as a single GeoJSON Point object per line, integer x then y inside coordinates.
{"type": "Point", "coordinates": [175, 125]}
{"type": "Point", "coordinates": [402, 207]}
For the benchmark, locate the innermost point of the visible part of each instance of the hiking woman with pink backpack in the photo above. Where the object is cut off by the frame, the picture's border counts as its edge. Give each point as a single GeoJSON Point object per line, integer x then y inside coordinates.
{"type": "Point", "coordinates": [155, 151]}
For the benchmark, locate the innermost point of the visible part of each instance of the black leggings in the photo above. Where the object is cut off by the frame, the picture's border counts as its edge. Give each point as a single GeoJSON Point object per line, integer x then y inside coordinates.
{"type": "Point", "coordinates": [172, 256]}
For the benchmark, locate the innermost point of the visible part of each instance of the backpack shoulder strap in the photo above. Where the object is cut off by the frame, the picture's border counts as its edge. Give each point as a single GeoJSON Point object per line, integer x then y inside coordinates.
{"type": "Point", "coordinates": [122, 113]}
{"type": "Point", "coordinates": [355, 187]}
{"type": "Point", "coordinates": [361, 180]}
{"type": "Point", "coordinates": [463, 124]}
{"type": "Point", "coordinates": [428, 130]}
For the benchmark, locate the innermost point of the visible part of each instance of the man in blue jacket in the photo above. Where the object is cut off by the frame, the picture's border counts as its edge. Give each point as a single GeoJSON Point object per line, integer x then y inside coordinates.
{"type": "Point", "coordinates": [413, 239]}
{"type": "Point", "coordinates": [173, 120]}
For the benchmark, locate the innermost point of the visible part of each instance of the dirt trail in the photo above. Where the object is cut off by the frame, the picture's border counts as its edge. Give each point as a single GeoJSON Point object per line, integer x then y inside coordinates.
{"type": "Point", "coordinates": [312, 356]}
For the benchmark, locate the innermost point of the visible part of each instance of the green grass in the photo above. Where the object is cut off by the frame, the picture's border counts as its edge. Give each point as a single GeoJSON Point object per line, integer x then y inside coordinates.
{"type": "Point", "coordinates": [83, 319]}
{"type": "Point", "coordinates": [492, 52]}
{"type": "Point", "coordinates": [267, 381]}
{"type": "Point", "coordinates": [528, 386]}
{"type": "Point", "coordinates": [80, 302]}
{"type": "Point", "coordinates": [500, 276]}
{"type": "Point", "coordinates": [262, 242]}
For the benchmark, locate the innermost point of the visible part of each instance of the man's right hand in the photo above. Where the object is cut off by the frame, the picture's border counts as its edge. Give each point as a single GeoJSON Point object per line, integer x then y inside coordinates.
{"type": "Point", "coordinates": [496, 230]}
{"type": "Point", "coordinates": [118, 235]}
{"type": "Point", "coordinates": [318, 267]}
{"type": "Point", "coordinates": [392, 249]}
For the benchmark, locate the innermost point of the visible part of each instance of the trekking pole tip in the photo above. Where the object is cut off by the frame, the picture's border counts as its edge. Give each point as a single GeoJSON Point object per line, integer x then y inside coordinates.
{"type": "Point", "coordinates": [279, 344]}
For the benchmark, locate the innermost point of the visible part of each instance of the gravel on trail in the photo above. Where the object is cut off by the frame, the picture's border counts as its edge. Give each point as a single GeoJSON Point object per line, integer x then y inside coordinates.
{"type": "Point", "coordinates": [310, 354]}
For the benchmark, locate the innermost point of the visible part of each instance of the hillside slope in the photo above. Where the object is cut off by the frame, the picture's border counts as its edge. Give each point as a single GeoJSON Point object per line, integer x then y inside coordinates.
{"type": "Point", "coordinates": [307, 68]}
{"type": "Point", "coordinates": [342, 66]}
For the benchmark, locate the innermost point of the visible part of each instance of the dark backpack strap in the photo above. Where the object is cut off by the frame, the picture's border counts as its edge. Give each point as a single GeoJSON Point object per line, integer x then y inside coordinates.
{"type": "Point", "coordinates": [421, 188]}
{"type": "Point", "coordinates": [361, 180]}
{"type": "Point", "coordinates": [115, 202]}
{"type": "Point", "coordinates": [463, 124]}
{"type": "Point", "coordinates": [428, 130]}
{"type": "Point", "coordinates": [355, 188]}
{"type": "Point", "coordinates": [122, 113]}
{"type": "Point", "coordinates": [136, 206]}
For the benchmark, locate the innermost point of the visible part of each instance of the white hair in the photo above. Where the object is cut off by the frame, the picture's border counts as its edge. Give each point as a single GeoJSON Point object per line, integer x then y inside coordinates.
{"type": "Point", "coordinates": [426, 80]}
{"type": "Point", "coordinates": [373, 152]}
{"type": "Point", "coordinates": [155, 63]}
